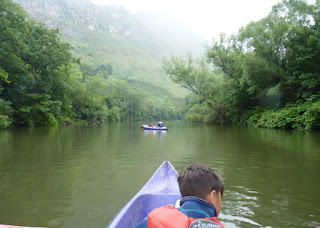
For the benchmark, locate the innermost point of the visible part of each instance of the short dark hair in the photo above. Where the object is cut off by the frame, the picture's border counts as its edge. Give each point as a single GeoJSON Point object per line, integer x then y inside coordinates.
{"type": "Point", "coordinates": [199, 180]}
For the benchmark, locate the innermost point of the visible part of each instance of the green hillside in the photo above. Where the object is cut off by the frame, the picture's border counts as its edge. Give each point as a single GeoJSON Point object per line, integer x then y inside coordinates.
{"type": "Point", "coordinates": [111, 35]}
{"type": "Point", "coordinates": [99, 65]}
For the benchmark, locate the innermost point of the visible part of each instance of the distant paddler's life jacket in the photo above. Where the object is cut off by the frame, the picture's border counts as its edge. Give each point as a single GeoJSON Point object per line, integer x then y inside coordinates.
{"type": "Point", "coordinates": [171, 217]}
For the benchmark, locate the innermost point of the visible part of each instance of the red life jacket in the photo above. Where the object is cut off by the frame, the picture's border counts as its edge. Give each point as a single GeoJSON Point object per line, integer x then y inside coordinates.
{"type": "Point", "coordinates": [171, 217]}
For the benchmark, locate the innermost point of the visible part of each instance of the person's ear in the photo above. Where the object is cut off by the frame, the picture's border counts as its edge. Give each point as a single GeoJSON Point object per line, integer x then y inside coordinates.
{"type": "Point", "coordinates": [212, 196]}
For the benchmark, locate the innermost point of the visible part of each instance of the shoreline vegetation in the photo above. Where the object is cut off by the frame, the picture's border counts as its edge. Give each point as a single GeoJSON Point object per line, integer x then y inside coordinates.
{"type": "Point", "coordinates": [43, 84]}
{"type": "Point", "coordinates": [266, 75]}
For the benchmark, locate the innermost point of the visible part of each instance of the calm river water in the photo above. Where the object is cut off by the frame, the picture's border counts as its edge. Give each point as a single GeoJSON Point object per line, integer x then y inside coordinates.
{"type": "Point", "coordinates": [80, 176]}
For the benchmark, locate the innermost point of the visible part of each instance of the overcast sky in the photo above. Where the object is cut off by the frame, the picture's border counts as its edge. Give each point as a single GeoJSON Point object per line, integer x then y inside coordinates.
{"type": "Point", "coordinates": [207, 18]}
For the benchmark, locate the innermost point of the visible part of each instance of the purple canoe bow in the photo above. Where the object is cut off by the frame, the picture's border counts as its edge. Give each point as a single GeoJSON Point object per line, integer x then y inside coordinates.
{"type": "Point", "coordinates": [161, 189]}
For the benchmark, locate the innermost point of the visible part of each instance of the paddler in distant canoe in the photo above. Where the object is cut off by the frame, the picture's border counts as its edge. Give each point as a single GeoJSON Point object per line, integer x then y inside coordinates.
{"type": "Point", "coordinates": [160, 123]}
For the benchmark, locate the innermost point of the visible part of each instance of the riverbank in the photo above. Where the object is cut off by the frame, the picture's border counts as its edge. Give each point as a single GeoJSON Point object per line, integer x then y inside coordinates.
{"type": "Point", "coordinates": [297, 116]}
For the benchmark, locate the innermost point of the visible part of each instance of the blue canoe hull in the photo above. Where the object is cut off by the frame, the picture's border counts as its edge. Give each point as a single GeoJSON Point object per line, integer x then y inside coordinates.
{"type": "Point", "coordinates": [146, 127]}
{"type": "Point", "coordinates": [161, 189]}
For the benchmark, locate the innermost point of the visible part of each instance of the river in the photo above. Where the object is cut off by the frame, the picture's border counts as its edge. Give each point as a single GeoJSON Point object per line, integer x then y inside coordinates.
{"type": "Point", "coordinates": [81, 176]}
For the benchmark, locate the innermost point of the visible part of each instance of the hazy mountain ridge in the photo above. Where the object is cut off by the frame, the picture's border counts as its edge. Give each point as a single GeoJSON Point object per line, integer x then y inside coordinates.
{"type": "Point", "coordinates": [179, 39]}
{"type": "Point", "coordinates": [55, 13]}
{"type": "Point", "coordinates": [135, 45]}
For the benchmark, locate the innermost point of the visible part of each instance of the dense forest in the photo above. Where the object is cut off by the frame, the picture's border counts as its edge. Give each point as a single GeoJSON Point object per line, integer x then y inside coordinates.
{"type": "Point", "coordinates": [42, 83]}
{"type": "Point", "coordinates": [266, 75]}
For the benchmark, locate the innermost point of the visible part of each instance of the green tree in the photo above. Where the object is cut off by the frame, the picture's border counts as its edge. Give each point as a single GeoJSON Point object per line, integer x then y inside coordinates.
{"type": "Point", "coordinates": [287, 41]}
{"type": "Point", "coordinates": [269, 63]}
{"type": "Point", "coordinates": [34, 60]}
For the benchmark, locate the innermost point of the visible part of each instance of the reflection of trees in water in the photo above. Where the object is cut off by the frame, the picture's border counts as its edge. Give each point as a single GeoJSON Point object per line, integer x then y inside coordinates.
{"type": "Point", "coordinates": [57, 177]}
{"type": "Point", "coordinates": [261, 168]}
{"type": "Point", "coordinates": [4, 141]}
{"type": "Point", "coordinates": [37, 178]}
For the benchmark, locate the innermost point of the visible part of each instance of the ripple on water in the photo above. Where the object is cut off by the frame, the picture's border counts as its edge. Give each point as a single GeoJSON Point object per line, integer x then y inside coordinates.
{"type": "Point", "coordinates": [240, 204]}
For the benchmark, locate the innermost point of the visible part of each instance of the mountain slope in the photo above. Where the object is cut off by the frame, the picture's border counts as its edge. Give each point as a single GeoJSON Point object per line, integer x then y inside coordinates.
{"type": "Point", "coordinates": [111, 35]}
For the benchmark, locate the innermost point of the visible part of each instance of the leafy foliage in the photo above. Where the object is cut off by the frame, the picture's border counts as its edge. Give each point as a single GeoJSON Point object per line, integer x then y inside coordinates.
{"type": "Point", "coordinates": [42, 84]}
{"type": "Point", "coordinates": [294, 116]}
{"type": "Point", "coordinates": [267, 75]}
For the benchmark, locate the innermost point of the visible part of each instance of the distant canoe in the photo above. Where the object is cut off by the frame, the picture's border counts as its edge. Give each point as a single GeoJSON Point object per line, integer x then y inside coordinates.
{"type": "Point", "coordinates": [161, 189]}
{"type": "Point", "coordinates": [153, 127]}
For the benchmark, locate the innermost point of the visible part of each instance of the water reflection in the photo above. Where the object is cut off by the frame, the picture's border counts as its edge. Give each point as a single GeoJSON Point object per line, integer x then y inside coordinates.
{"type": "Point", "coordinates": [80, 176]}
{"type": "Point", "coordinates": [154, 133]}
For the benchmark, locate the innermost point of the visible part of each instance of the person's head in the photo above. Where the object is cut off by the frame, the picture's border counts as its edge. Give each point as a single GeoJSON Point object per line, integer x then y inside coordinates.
{"type": "Point", "coordinates": [201, 181]}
